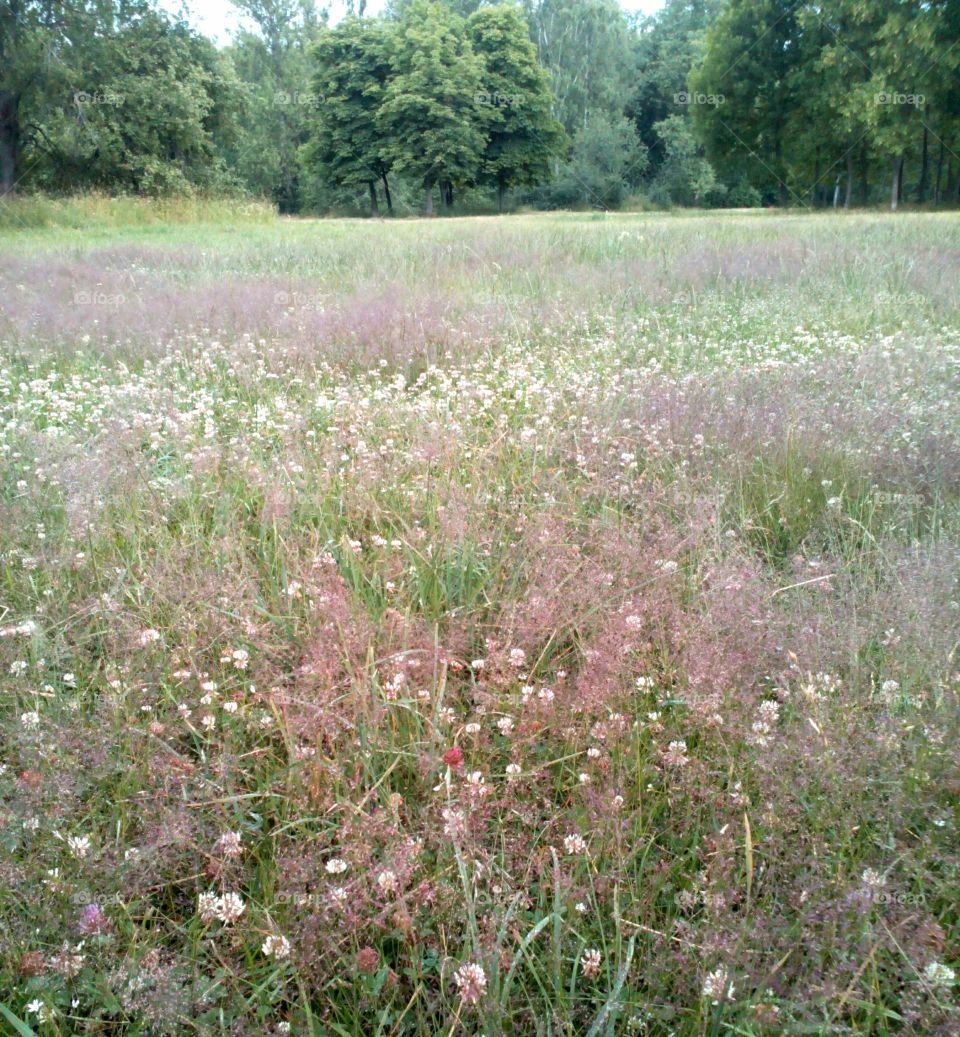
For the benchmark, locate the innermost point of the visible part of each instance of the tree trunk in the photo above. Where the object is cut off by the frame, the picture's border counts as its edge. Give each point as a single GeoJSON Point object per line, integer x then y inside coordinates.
{"type": "Point", "coordinates": [374, 207]}
{"type": "Point", "coordinates": [387, 195]}
{"type": "Point", "coordinates": [936, 186]}
{"type": "Point", "coordinates": [924, 170]}
{"type": "Point", "coordinates": [9, 141]}
{"type": "Point", "coordinates": [428, 202]}
{"type": "Point", "coordinates": [848, 197]}
{"type": "Point", "coordinates": [501, 190]}
{"type": "Point", "coordinates": [864, 175]}
{"type": "Point", "coordinates": [815, 189]}
{"type": "Point", "coordinates": [446, 194]}
{"type": "Point", "coordinates": [895, 189]}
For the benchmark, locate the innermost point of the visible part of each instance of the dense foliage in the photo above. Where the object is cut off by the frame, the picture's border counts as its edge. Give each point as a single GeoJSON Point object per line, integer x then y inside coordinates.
{"type": "Point", "coordinates": [552, 102]}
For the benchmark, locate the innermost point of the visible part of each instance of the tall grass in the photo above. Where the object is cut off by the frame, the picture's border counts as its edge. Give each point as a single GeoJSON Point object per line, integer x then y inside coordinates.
{"type": "Point", "coordinates": [539, 626]}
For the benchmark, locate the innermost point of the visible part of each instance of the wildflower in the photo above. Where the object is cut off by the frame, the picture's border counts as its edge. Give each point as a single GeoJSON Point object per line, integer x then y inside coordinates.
{"type": "Point", "coordinates": [42, 1011]}
{"type": "Point", "coordinates": [514, 770]}
{"type": "Point", "coordinates": [471, 982]}
{"type": "Point", "coordinates": [476, 785]}
{"type": "Point", "coordinates": [229, 845]}
{"type": "Point", "coordinates": [230, 706]}
{"type": "Point", "coordinates": [79, 845]}
{"type": "Point", "coordinates": [67, 963]}
{"type": "Point", "coordinates": [338, 896]}
{"type": "Point", "coordinates": [472, 728]}
{"type": "Point", "coordinates": [276, 947]}
{"type": "Point", "coordinates": [939, 975]}
{"type": "Point", "coordinates": [453, 757]}
{"type": "Point", "coordinates": [93, 920]}
{"type": "Point", "coordinates": [368, 961]}
{"type": "Point", "coordinates": [517, 657]}
{"type": "Point", "coordinates": [717, 986]}
{"type": "Point", "coordinates": [873, 879]}
{"type": "Point", "coordinates": [17, 667]}
{"type": "Point", "coordinates": [580, 907]}
{"type": "Point", "coordinates": [633, 622]}
{"type": "Point", "coordinates": [505, 726]}
{"type": "Point", "coordinates": [676, 754]}
{"type": "Point", "coordinates": [590, 962]}
{"type": "Point", "coordinates": [209, 721]}
{"type": "Point", "coordinates": [454, 823]}
{"type": "Point", "coordinates": [148, 637]}
{"type": "Point", "coordinates": [336, 866]}
{"type": "Point", "coordinates": [31, 720]}
{"type": "Point", "coordinates": [387, 881]}
{"type": "Point", "coordinates": [574, 844]}
{"type": "Point", "coordinates": [230, 907]}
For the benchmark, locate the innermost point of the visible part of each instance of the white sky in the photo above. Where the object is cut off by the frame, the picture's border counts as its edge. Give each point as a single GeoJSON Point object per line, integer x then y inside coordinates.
{"type": "Point", "coordinates": [218, 18]}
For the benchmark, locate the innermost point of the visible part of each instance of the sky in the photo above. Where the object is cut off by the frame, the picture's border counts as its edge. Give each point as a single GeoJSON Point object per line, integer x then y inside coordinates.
{"type": "Point", "coordinates": [219, 18]}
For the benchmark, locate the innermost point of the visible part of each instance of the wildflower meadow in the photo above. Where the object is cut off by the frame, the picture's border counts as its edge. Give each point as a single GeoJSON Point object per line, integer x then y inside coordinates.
{"type": "Point", "coordinates": [540, 626]}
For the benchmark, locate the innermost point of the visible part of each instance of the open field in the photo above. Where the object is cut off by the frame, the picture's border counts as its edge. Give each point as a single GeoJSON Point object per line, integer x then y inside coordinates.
{"type": "Point", "coordinates": [537, 626]}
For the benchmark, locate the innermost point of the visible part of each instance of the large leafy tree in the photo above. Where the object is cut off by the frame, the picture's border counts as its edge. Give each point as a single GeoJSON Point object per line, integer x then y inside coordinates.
{"type": "Point", "coordinates": [352, 70]}
{"type": "Point", "coordinates": [430, 119]}
{"type": "Point", "coordinates": [274, 66]}
{"type": "Point", "coordinates": [522, 136]}
{"type": "Point", "coordinates": [40, 41]}
{"type": "Point", "coordinates": [586, 47]}
{"type": "Point", "coordinates": [119, 97]}
{"type": "Point", "coordinates": [751, 53]}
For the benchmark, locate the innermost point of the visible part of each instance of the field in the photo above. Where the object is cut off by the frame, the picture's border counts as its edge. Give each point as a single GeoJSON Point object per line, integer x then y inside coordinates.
{"type": "Point", "coordinates": [543, 625]}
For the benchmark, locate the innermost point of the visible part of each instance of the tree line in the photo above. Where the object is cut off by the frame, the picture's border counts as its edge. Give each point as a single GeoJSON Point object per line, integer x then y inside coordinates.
{"type": "Point", "coordinates": [551, 103]}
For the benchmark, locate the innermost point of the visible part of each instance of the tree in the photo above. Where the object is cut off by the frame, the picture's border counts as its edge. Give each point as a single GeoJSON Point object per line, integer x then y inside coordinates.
{"type": "Point", "coordinates": [751, 52]}
{"type": "Point", "coordinates": [122, 98]}
{"type": "Point", "coordinates": [608, 160]}
{"type": "Point", "coordinates": [353, 66]}
{"type": "Point", "coordinates": [522, 136]}
{"type": "Point", "coordinates": [36, 48]}
{"type": "Point", "coordinates": [685, 177]}
{"type": "Point", "coordinates": [274, 65]}
{"type": "Point", "coordinates": [432, 125]}
{"type": "Point", "coordinates": [585, 45]}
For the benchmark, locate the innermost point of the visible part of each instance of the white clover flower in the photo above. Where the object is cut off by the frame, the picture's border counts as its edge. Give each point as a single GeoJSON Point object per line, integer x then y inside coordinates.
{"type": "Point", "coordinates": [230, 907]}
{"type": "Point", "coordinates": [574, 844]}
{"type": "Point", "coordinates": [79, 845]}
{"type": "Point", "coordinates": [31, 720]}
{"type": "Point", "coordinates": [717, 986]}
{"type": "Point", "coordinates": [336, 866]}
{"type": "Point", "coordinates": [387, 881]}
{"type": "Point", "coordinates": [471, 982]}
{"type": "Point", "coordinates": [230, 844]}
{"type": "Point", "coordinates": [276, 947]}
{"type": "Point", "coordinates": [939, 975]}
{"type": "Point", "coordinates": [590, 962]}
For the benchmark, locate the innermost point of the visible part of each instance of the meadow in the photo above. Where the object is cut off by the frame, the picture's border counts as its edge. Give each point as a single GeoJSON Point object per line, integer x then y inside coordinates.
{"type": "Point", "coordinates": [533, 626]}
